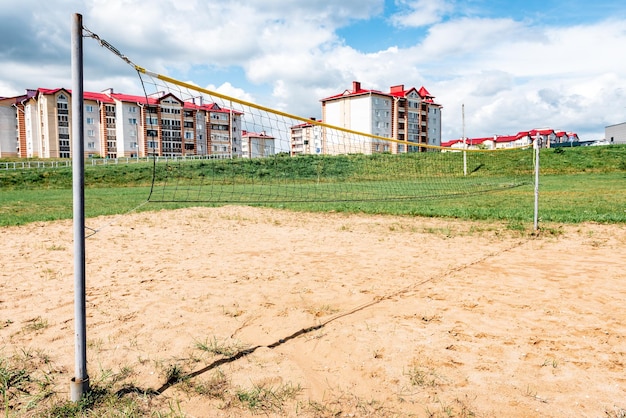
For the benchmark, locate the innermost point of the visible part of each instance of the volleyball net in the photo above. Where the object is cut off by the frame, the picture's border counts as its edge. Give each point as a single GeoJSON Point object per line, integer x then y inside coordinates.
{"type": "Point", "coordinates": [211, 147]}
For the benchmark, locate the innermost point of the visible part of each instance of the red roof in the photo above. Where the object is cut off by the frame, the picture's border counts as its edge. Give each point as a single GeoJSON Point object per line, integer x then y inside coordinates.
{"type": "Point", "coordinates": [306, 124]}
{"type": "Point", "coordinates": [508, 138]}
{"type": "Point", "coordinates": [469, 141]}
{"type": "Point", "coordinates": [86, 94]}
{"type": "Point", "coordinates": [97, 96]}
{"type": "Point", "coordinates": [247, 134]}
{"type": "Point", "coordinates": [546, 131]}
{"type": "Point", "coordinates": [424, 93]}
{"type": "Point", "coordinates": [511, 138]}
{"type": "Point", "coordinates": [111, 97]}
{"type": "Point", "coordinates": [49, 91]}
{"type": "Point", "coordinates": [137, 99]}
{"type": "Point", "coordinates": [394, 91]}
{"type": "Point", "coordinates": [450, 142]}
{"type": "Point", "coordinates": [359, 92]}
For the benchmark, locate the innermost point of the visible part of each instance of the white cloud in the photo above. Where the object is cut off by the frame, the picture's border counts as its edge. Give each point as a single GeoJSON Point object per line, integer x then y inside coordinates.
{"type": "Point", "coordinates": [228, 89]}
{"type": "Point", "coordinates": [511, 74]}
{"type": "Point", "coordinates": [418, 13]}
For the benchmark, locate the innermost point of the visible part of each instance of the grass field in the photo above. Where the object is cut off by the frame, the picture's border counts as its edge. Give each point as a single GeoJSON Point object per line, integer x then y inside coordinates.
{"type": "Point", "coordinates": [583, 184]}
{"type": "Point", "coordinates": [162, 330]}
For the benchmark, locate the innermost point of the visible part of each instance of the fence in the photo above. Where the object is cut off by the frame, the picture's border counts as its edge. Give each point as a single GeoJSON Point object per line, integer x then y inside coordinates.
{"type": "Point", "coordinates": [25, 165]}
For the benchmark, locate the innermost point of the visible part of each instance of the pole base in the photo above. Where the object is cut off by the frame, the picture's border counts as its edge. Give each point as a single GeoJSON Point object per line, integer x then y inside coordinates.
{"type": "Point", "coordinates": [78, 388]}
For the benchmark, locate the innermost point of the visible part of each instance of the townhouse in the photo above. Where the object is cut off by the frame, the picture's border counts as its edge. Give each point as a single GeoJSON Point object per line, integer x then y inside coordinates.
{"type": "Point", "coordinates": [550, 138]}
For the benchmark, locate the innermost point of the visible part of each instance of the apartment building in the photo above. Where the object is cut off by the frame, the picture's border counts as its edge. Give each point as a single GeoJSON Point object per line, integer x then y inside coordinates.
{"type": "Point", "coordinates": [409, 116]}
{"type": "Point", "coordinates": [8, 131]}
{"type": "Point", "coordinates": [38, 124]}
{"type": "Point", "coordinates": [306, 138]}
{"type": "Point", "coordinates": [257, 145]}
{"type": "Point", "coordinates": [417, 118]}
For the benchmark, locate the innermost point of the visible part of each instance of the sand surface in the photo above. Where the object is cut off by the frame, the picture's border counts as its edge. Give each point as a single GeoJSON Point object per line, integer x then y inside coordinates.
{"type": "Point", "coordinates": [329, 314]}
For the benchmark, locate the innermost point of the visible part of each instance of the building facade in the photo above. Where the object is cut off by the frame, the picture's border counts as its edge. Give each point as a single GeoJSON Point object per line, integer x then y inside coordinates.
{"type": "Point", "coordinates": [550, 138]}
{"type": "Point", "coordinates": [257, 145]}
{"type": "Point", "coordinates": [38, 125]}
{"type": "Point", "coordinates": [8, 131]}
{"type": "Point", "coordinates": [615, 134]}
{"type": "Point", "coordinates": [408, 116]}
{"type": "Point", "coordinates": [306, 138]}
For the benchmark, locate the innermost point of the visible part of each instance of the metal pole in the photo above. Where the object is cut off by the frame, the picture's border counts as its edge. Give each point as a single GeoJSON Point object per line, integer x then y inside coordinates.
{"type": "Point", "coordinates": [464, 141]}
{"type": "Point", "coordinates": [230, 128]}
{"type": "Point", "coordinates": [80, 382]}
{"type": "Point", "coordinates": [537, 146]}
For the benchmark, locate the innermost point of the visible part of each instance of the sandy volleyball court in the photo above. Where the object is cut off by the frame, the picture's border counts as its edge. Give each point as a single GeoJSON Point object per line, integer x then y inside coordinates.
{"type": "Point", "coordinates": [331, 314]}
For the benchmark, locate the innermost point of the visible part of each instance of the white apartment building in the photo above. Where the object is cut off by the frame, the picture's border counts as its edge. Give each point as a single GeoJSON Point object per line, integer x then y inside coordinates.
{"type": "Point", "coordinates": [408, 116]}
{"type": "Point", "coordinates": [8, 132]}
{"type": "Point", "coordinates": [306, 138]}
{"type": "Point", "coordinates": [257, 145]}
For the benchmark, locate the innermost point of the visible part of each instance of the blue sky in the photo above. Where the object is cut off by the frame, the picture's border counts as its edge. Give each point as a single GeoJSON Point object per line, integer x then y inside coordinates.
{"type": "Point", "coordinates": [514, 65]}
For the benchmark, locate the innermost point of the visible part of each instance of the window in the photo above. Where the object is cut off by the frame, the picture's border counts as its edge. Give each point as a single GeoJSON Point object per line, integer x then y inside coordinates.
{"type": "Point", "coordinates": [132, 109]}
{"type": "Point", "coordinates": [91, 145]}
{"type": "Point", "coordinates": [89, 108]}
{"type": "Point", "coordinates": [132, 121]}
{"type": "Point", "coordinates": [90, 121]}
{"type": "Point", "coordinates": [188, 135]}
{"type": "Point", "coordinates": [91, 132]}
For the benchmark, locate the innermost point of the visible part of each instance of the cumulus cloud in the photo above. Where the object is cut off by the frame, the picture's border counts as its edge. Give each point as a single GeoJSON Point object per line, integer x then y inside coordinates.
{"type": "Point", "coordinates": [511, 73]}
{"type": "Point", "coordinates": [417, 13]}
{"type": "Point", "coordinates": [232, 91]}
